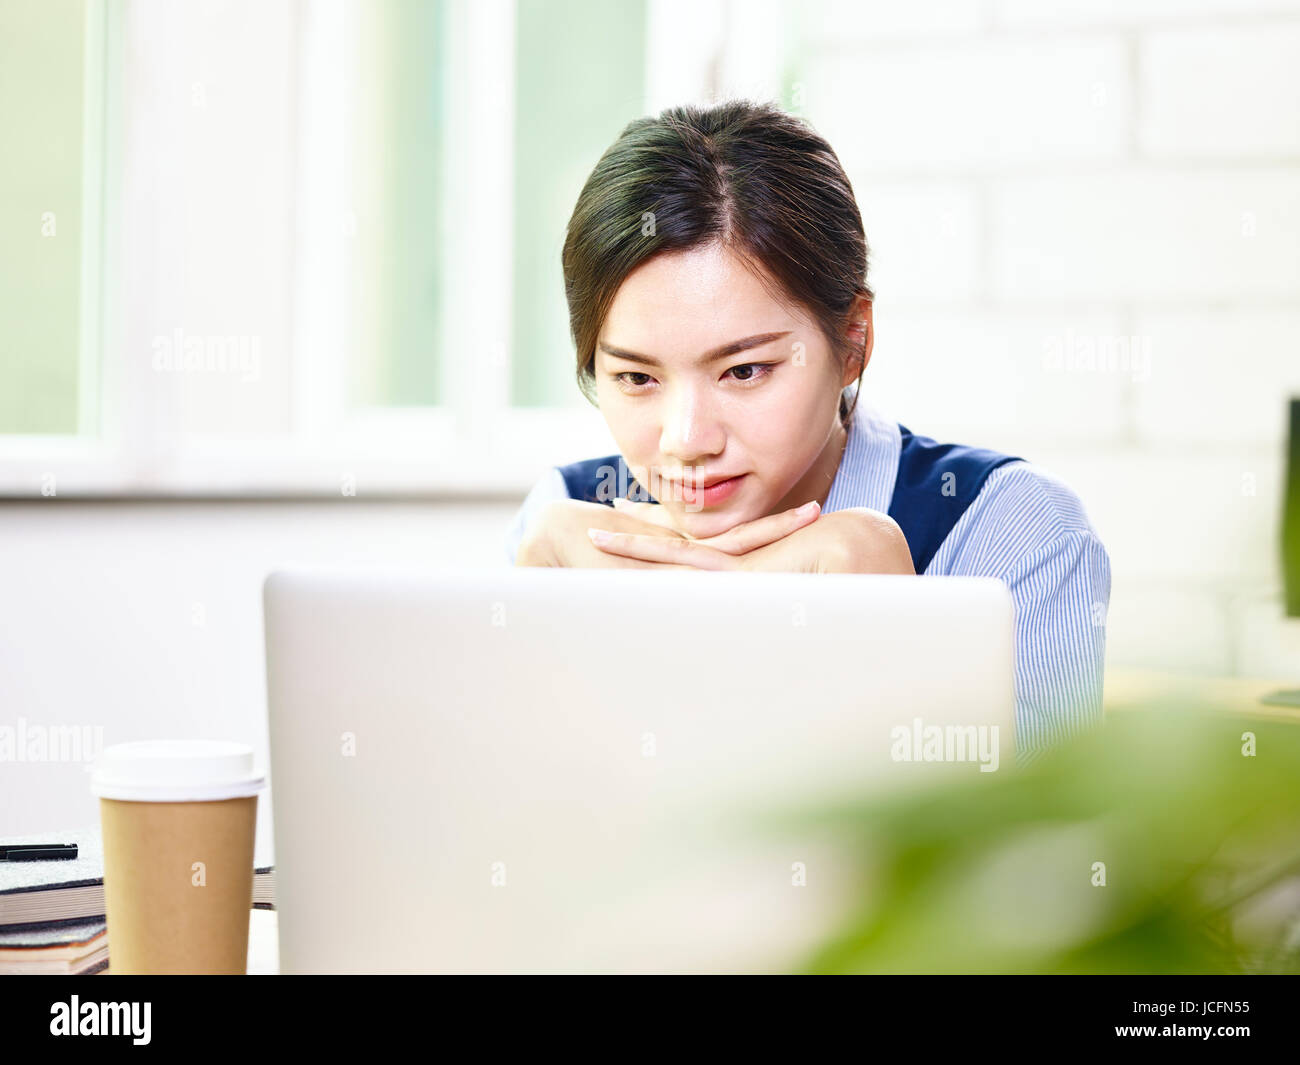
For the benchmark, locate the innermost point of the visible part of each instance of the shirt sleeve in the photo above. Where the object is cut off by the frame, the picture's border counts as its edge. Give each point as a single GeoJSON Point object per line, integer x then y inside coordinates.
{"type": "Point", "coordinates": [1028, 529]}
{"type": "Point", "coordinates": [548, 489]}
{"type": "Point", "coordinates": [1061, 593]}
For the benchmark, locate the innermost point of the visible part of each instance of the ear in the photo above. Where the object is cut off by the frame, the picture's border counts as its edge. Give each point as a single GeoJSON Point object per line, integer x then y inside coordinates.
{"type": "Point", "coordinates": [862, 336]}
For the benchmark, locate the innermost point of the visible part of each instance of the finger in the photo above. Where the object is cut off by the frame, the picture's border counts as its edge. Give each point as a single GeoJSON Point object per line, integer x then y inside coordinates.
{"type": "Point", "coordinates": [608, 561]}
{"type": "Point", "coordinates": [660, 549]}
{"type": "Point", "coordinates": [652, 513]}
{"type": "Point", "coordinates": [751, 535]}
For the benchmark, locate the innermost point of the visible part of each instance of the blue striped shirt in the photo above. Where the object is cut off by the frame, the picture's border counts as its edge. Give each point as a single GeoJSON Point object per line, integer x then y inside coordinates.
{"type": "Point", "coordinates": [1026, 528]}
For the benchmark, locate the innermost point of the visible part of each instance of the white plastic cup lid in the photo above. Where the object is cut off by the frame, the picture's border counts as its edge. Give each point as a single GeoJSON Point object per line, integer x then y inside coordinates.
{"type": "Point", "coordinates": [176, 771]}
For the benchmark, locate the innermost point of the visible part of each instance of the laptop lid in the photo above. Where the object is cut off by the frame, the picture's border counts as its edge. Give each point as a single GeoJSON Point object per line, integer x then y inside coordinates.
{"type": "Point", "coordinates": [559, 770]}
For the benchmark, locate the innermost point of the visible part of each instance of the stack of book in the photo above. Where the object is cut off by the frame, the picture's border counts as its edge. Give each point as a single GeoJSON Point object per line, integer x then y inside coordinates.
{"type": "Point", "coordinates": [52, 910]}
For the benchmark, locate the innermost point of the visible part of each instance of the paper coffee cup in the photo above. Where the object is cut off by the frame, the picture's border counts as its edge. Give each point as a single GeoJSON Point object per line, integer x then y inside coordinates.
{"type": "Point", "coordinates": [179, 819]}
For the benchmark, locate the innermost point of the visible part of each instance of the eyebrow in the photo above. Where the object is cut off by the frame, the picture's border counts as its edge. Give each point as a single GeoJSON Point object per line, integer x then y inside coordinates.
{"type": "Point", "coordinates": [712, 356]}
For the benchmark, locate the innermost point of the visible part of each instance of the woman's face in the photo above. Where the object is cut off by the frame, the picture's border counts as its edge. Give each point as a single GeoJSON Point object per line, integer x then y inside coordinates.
{"type": "Point", "coordinates": [701, 375]}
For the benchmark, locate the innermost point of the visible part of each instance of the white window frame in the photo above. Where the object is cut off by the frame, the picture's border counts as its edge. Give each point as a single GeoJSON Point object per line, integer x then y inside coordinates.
{"type": "Point", "coordinates": [477, 444]}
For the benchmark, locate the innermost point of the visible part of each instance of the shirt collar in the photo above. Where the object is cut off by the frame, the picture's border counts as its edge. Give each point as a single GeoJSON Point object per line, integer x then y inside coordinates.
{"type": "Point", "coordinates": [869, 465]}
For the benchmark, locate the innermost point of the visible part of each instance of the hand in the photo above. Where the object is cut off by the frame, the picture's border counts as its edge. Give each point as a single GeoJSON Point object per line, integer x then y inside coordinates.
{"type": "Point", "coordinates": [857, 540]}
{"type": "Point", "coordinates": [736, 548]}
{"type": "Point", "coordinates": [739, 539]}
{"type": "Point", "coordinates": [558, 537]}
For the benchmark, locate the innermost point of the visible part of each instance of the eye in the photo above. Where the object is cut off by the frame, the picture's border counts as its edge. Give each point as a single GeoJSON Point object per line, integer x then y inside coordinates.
{"type": "Point", "coordinates": [759, 371]}
{"type": "Point", "coordinates": [756, 372]}
{"type": "Point", "coordinates": [621, 378]}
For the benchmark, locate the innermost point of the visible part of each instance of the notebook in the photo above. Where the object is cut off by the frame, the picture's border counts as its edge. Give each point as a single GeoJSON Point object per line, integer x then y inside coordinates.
{"type": "Point", "coordinates": [72, 889]}
{"type": "Point", "coordinates": [68, 948]}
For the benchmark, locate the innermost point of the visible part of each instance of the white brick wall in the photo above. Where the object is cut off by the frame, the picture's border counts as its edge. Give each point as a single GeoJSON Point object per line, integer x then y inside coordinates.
{"type": "Point", "coordinates": [988, 102]}
{"type": "Point", "coordinates": [1145, 234]}
{"type": "Point", "coordinates": [924, 240]}
{"type": "Point", "coordinates": [829, 21]}
{"type": "Point", "coordinates": [1222, 92]}
{"type": "Point", "coordinates": [938, 367]}
{"type": "Point", "coordinates": [1216, 375]}
{"type": "Point", "coordinates": [1138, 14]}
{"type": "Point", "coordinates": [1085, 225]}
{"type": "Point", "coordinates": [1265, 645]}
{"type": "Point", "coordinates": [1153, 625]}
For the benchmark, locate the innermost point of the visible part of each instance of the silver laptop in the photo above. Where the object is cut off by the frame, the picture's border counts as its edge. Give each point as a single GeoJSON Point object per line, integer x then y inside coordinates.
{"type": "Point", "coordinates": [557, 770]}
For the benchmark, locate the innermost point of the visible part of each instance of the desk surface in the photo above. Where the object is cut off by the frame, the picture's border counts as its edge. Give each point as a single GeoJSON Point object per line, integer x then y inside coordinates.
{"type": "Point", "coordinates": [1127, 689]}
{"type": "Point", "coordinates": [263, 944]}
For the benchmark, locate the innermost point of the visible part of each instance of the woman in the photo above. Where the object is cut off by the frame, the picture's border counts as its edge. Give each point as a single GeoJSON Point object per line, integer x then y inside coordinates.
{"type": "Point", "coordinates": [715, 268]}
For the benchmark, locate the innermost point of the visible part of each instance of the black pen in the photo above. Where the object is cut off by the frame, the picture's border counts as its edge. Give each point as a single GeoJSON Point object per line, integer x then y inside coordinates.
{"type": "Point", "coordinates": [33, 852]}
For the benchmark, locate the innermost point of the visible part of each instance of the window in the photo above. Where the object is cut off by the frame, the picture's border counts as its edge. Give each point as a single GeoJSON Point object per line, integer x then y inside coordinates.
{"type": "Point", "coordinates": [51, 122]}
{"type": "Point", "coordinates": [301, 247]}
{"type": "Point", "coordinates": [580, 78]}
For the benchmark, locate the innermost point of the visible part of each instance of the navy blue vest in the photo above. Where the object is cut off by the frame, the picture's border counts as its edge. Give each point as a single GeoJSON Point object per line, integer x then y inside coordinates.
{"type": "Point", "coordinates": [934, 486]}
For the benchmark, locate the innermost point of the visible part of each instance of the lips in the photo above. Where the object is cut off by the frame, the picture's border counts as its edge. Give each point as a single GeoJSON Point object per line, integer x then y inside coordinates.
{"type": "Point", "coordinates": [710, 493]}
{"type": "Point", "coordinates": [695, 486]}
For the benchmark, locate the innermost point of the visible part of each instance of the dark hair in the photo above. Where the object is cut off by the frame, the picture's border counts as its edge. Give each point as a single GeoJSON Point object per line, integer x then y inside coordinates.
{"type": "Point", "coordinates": [757, 180]}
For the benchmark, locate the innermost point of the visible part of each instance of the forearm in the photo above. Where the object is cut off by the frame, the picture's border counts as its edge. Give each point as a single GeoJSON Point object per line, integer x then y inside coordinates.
{"type": "Point", "coordinates": [859, 540]}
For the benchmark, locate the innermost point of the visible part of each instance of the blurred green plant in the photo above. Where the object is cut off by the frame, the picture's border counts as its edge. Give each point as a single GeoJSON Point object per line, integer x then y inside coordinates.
{"type": "Point", "coordinates": [1165, 841]}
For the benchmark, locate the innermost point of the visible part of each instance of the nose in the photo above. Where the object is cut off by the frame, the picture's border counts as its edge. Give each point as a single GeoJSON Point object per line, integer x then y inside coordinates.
{"type": "Point", "coordinates": [692, 431]}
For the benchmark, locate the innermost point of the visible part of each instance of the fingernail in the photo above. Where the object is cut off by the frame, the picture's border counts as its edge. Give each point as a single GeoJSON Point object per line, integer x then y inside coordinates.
{"type": "Point", "coordinates": [598, 536]}
{"type": "Point", "coordinates": [619, 501]}
{"type": "Point", "coordinates": [808, 508]}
